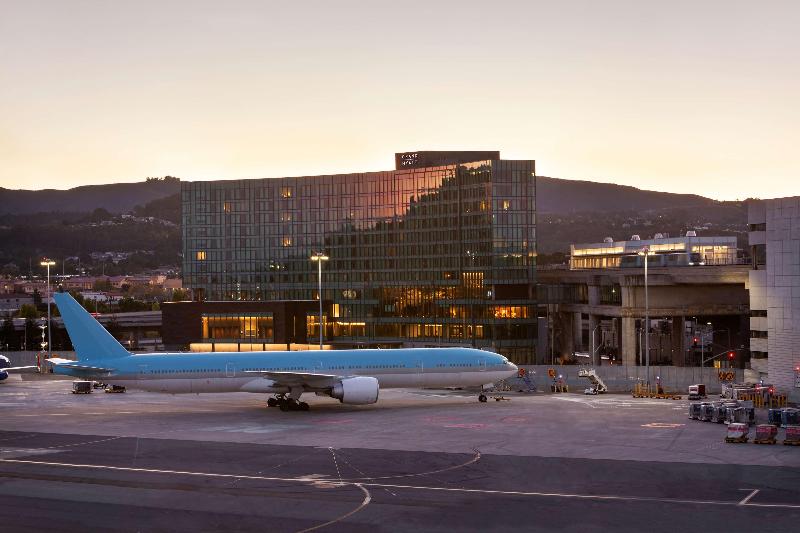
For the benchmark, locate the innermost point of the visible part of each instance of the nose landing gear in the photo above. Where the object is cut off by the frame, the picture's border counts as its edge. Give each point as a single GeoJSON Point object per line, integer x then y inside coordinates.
{"type": "Point", "coordinates": [482, 398]}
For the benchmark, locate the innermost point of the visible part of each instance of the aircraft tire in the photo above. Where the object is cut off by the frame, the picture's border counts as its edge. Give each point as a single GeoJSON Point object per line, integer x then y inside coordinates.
{"type": "Point", "coordinates": [482, 398]}
{"type": "Point", "coordinates": [284, 405]}
{"type": "Point", "coordinates": [272, 402]}
{"type": "Point", "coordinates": [303, 406]}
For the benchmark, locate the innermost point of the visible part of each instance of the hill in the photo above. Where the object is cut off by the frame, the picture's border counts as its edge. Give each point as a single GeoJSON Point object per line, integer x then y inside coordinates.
{"type": "Point", "coordinates": [556, 195]}
{"type": "Point", "coordinates": [115, 197]}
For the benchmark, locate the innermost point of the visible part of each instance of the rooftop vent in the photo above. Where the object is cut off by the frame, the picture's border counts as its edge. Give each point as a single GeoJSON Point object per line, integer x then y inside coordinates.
{"type": "Point", "coordinates": [635, 238]}
{"type": "Point", "coordinates": [691, 233]}
{"type": "Point", "coordinates": [608, 240]}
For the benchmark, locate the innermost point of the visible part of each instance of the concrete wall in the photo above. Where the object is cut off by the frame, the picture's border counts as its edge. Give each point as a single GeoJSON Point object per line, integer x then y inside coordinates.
{"type": "Point", "coordinates": [29, 358]}
{"type": "Point", "coordinates": [783, 292]}
{"type": "Point", "coordinates": [622, 378]}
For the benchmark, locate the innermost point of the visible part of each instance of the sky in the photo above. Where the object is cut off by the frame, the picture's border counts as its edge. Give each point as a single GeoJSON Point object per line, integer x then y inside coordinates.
{"type": "Point", "coordinates": [681, 96]}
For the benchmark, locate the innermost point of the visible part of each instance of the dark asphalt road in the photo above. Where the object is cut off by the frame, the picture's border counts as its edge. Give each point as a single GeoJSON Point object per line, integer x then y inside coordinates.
{"type": "Point", "coordinates": [63, 482]}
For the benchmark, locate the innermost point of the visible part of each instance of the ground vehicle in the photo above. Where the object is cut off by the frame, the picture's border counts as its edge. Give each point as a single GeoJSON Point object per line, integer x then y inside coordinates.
{"type": "Point", "coordinates": [697, 392]}
{"type": "Point", "coordinates": [115, 388]}
{"type": "Point", "coordinates": [81, 387]}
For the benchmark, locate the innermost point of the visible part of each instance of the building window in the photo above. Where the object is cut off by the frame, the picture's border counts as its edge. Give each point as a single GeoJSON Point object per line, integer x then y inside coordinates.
{"type": "Point", "coordinates": [287, 192]}
{"type": "Point", "coordinates": [286, 241]}
{"type": "Point", "coordinates": [226, 207]}
{"type": "Point", "coordinates": [506, 205]}
{"type": "Point", "coordinates": [200, 255]}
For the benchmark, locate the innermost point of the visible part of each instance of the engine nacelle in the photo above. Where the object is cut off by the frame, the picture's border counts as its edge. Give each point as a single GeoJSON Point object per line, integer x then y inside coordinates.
{"type": "Point", "coordinates": [3, 375]}
{"type": "Point", "coordinates": [358, 390]}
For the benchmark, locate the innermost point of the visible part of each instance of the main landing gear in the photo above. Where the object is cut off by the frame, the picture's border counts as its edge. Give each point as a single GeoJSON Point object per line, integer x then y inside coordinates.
{"type": "Point", "coordinates": [286, 404]}
{"type": "Point", "coordinates": [482, 398]}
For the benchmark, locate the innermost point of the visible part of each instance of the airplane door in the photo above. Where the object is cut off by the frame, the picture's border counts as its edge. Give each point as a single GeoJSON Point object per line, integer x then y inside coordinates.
{"type": "Point", "coordinates": [230, 370]}
{"type": "Point", "coordinates": [482, 364]}
{"type": "Point", "coordinates": [420, 371]}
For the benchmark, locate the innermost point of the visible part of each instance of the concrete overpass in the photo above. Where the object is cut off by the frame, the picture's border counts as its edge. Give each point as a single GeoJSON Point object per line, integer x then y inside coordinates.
{"type": "Point", "coordinates": [683, 301]}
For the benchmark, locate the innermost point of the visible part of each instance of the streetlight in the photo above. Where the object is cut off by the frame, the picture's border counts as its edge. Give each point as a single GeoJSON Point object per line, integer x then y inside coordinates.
{"type": "Point", "coordinates": [319, 257]}
{"type": "Point", "coordinates": [48, 263]}
{"type": "Point", "coordinates": [645, 251]}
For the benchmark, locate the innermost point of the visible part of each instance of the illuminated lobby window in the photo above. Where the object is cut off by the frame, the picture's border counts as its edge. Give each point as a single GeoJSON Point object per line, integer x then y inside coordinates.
{"type": "Point", "coordinates": [258, 326]}
{"type": "Point", "coordinates": [200, 255]}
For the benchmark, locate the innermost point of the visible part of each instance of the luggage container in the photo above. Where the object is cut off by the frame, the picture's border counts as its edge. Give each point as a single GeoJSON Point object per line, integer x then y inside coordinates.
{"type": "Point", "coordinates": [774, 417]}
{"type": "Point", "coordinates": [718, 416]}
{"type": "Point", "coordinates": [739, 415]}
{"type": "Point", "coordinates": [737, 432]}
{"type": "Point", "coordinates": [765, 434]}
{"type": "Point", "coordinates": [694, 411]}
{"type": "Point", "coordinates": [790, 417]}
{"type": "Point", "coordinates": [706, 412]}
{"type": "Point", "coordinates": [81, 387]}
{"type": "Point", "coordinates": [792, 436]}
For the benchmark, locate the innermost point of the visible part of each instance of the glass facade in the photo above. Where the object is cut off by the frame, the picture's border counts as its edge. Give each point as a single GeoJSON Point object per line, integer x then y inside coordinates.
{"type": "Point", "coordinates": [417, 256]}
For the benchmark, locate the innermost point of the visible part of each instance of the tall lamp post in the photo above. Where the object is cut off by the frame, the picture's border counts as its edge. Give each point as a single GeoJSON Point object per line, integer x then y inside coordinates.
{"type": "Point", "coordinates": [48, 263]}
{"type": "Point", "coordinates": [646, 253]}
{"type": "Point", "coordinates": [319, 257]}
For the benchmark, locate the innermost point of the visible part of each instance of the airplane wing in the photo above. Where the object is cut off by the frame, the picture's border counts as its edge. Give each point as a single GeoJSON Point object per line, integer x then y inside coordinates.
{"type": "Point", "coordinates": [297, 378]}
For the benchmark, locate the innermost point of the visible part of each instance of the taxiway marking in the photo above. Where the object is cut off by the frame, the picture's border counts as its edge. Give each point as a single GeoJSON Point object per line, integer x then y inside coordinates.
{"type": "Point", "coordinates": [362, 485]}
{"type": "Point", "coordinates": [747, 498]}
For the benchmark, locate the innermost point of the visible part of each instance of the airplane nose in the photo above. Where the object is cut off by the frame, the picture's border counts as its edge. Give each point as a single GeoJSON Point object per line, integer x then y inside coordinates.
{"type": "Point", "coordinates": [514, 368]}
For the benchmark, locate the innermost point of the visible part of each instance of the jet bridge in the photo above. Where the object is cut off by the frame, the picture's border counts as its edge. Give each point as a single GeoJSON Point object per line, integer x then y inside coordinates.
{"type": "Point", "coordinates": [596, 383]}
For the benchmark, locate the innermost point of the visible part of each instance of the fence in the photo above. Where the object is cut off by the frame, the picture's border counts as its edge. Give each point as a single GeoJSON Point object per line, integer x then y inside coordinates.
{"type": "Point", "coordinates": [623, 378]}
{"type": "Point", "coordinates": [29, 358]}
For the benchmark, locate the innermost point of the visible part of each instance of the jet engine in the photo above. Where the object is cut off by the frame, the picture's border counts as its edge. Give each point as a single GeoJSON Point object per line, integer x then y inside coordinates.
{"type": "Point", "coordinates": [358, 390]}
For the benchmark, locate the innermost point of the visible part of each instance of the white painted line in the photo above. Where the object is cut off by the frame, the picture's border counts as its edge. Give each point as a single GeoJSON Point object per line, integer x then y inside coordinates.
{"type": "Point", "coordinates": [364, 503]}
{"type": "Point", "coordinates": [334, 482]}
{"type": "Point", "coordinates": [747, 498]}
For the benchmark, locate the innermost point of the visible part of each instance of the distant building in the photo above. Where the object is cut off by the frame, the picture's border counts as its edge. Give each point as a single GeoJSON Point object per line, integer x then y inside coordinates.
{"type": "Point", "coordinates": [774, 282]}
{"type": "Point", "coordinates": [689, 250]}
{"type": "Point", "coordinates": [81, 282]}
{"type": "Point", "coordinates": [11, 303]}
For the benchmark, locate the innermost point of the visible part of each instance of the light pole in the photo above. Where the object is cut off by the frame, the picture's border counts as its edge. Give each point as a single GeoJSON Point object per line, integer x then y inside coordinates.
{"type": "Point", "coordinates": [646, 253]}
{"type": "Point", "coordinates": [319, 257]}
{"type": "Point", "coordinates": [48, 263]}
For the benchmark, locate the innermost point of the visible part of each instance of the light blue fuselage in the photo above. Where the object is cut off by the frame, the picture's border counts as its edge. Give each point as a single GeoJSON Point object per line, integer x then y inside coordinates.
{"type": "Point", "coordinates": [240, 371]}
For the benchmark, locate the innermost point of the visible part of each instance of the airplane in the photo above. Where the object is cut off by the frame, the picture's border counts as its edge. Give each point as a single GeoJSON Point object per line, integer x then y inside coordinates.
{"type": "Point", "coordinates": [350, 376]}
{"type": "Point", "coordinates": [6, 368]}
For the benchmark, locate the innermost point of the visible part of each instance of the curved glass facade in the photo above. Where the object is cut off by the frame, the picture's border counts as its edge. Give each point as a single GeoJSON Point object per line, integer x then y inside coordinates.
{"type": "Point", "coordinates": [417, 256]}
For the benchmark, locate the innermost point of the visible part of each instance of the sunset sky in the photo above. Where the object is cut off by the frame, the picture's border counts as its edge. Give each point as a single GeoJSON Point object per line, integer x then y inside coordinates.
{"type": "Point", "coordinates": [683, 96]}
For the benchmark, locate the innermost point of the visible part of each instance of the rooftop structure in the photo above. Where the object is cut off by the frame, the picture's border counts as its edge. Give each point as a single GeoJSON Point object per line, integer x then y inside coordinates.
{"type": "Point", "coordinates": [688, 250]}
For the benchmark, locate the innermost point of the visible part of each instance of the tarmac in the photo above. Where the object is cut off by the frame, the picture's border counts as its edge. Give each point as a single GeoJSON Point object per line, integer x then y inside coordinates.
{"type": "Point", "coordinates": [416, 460]}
